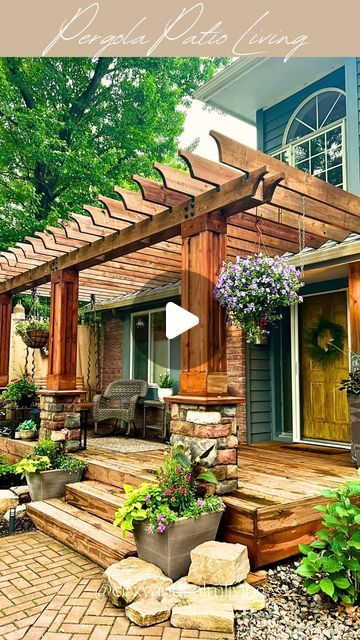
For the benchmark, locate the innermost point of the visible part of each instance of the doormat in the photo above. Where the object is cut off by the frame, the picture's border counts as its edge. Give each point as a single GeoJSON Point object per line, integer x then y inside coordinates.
{"type": "Point", "coordinates": [125, 445]}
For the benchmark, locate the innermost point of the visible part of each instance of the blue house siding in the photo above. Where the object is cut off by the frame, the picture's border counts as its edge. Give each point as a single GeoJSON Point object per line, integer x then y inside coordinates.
{"type": "Point", "coordinates": [276, 118]}
{"type": "Point", "coordinates": [258, 376]}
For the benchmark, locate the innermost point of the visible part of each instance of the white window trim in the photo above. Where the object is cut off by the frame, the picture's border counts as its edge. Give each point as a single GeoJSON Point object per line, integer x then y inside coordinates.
{"type": "Point", "coordinates": [301, 105]}
{"type": "Point", "coordinates": [290, 147]}
{"type": "Point", "coordinates": [296, 370]}
{"type": "Point", "coordinates": [132, 337]}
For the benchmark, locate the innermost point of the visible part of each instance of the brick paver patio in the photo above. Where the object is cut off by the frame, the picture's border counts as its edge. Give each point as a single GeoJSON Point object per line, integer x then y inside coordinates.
{"type": "Point", "coordinates": [49, 591]}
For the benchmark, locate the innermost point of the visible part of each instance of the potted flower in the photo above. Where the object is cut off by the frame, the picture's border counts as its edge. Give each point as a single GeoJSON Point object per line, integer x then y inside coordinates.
{"type": "Point", "coordinates": [48, 469]}
{"type": "Point", "coordinates": [34, 332]}
{"type": "Point", "coordinates": [165, 385]}
{"type": "Point", "coordinates": [21, 391]}
{"type": "Point", "coordinates": [171, 517]}
{"type": "Point", "coordinates": [27, 430]}
{"type": "Point", "coordinates": [254, 290]}
{"type": "Point", "coordinates": [352, 387]}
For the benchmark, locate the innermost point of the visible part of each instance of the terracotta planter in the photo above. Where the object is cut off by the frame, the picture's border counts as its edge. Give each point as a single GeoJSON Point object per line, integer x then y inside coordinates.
{"type": "Point", "coordinates": [36, 338]}
{"type": "Point", "coordinates": [354, 408]}
{"type": "Point", "coordinates": [164, 393]}
{"type": "Point", "coordinates": [26, 435]}
{"type": "Point", "coordinates": [50, 484]}
{"type": "Point", "coordinates": [171, 550]}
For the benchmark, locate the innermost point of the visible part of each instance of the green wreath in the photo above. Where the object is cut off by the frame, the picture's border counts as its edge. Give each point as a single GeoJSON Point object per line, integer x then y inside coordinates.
{"type": "Point", "coordinates": [332, 349]}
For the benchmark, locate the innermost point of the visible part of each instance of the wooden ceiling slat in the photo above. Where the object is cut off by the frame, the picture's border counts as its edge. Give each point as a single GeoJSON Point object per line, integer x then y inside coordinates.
{"type": "Point", "coordinates": [134, 202]}
{"type": "Point", "coordinates": [255, 222]}
{"type": "Point", "coordinates": [116, 209]}
{"type": "Point", "coordinates": [208, 170]}
{"type": "Point", "coordinates": [180, 181]}
{"type": "Point", "coordinates": [153, 191]}
{"type": "Point", "coordinates": [261, 240]}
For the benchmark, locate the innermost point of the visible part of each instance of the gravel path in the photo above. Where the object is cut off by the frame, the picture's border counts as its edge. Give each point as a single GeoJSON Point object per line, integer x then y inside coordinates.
{"type": "Point", "coordinates": [291, 614]}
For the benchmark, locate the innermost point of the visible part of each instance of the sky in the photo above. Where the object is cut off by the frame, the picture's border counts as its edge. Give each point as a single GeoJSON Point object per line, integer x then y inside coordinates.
{"type": "Point", "coordinates": [199, 122]}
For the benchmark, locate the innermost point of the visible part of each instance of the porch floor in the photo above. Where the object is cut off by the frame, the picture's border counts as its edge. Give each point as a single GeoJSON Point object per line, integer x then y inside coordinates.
{"type": "Point", "coordinates": [271, 511]}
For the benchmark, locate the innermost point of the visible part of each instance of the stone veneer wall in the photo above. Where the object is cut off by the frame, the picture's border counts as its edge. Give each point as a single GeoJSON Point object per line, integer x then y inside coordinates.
{"type": "Point", "coordinates": [236, 365]}
{"type": "Point", "coordinates": [111, 349]}
{"type": "Point", "coordinates": [199, 428]}
{"type": "Point", "coordinates": [59, 412]}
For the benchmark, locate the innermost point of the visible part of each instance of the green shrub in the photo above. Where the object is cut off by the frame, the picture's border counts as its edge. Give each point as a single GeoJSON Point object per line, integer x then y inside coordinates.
{"type": "Point", "coordinates": [331, 565]}
{"type": "Point", "coordinates": [47, 455]}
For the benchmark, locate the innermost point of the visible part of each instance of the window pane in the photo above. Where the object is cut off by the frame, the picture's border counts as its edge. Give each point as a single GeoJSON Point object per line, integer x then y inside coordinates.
{"type": "Point", "coordinates": [334, 157]}
{"type": "Point", "coordinates": [140, 346]}
{"type": "Point", "coordinates": [334, 137]}
{"type": "Point", "coordinates": [308, 115]}
{"type": "Point", "coordinates": [159, 346]}
{"type": "Point", "coordinates": [298, 130]}
{"type": "Point", "coordinates": [335, 176]}
{"type": "Point", "coordinates": [304, 166]}
{"type": "Point", "coordinates": [318, 164]}
{"type": "Point", "coordinates": [317, 145]}
{"type": "Point", "coordinates": [322, 175]}
{"type": "Point", "coordinates": [332, 107]}
{"type": "Point", "coordinates": [301, 152]}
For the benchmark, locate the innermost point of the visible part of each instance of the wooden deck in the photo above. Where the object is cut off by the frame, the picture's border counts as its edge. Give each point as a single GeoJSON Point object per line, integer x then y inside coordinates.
{"type": "Point", "coordinates": [271, 512]}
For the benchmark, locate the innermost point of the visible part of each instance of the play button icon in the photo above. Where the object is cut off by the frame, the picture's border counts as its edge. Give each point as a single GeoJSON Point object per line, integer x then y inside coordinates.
{"type": "Point", "coordinates": [178, 320]}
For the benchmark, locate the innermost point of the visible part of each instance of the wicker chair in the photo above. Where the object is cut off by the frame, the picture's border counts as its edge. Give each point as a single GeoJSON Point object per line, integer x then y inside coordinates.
{"type": "Point", "coordinates": [119, 402]}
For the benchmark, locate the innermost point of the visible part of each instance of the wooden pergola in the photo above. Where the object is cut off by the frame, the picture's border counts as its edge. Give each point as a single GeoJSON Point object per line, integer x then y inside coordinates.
{"type": "Point", "coordinates": [183, 226]}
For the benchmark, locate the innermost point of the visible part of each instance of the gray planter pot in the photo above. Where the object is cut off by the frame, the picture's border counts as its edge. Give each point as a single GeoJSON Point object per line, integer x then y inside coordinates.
{"type": "Point", "coordinates": [354, 408]}
{"type": "Point", "coordinates": [171, 550]}
{"type": "Point", "coordinates": [50, 484]}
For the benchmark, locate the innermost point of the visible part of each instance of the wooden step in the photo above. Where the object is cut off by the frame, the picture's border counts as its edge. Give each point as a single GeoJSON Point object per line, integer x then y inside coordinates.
{"type": "Point", "coordinates": [102, 500]}
{"type": "Point", "coordinates": [116, 472]}
{"type": "Point", "coordinates": [92, 537]}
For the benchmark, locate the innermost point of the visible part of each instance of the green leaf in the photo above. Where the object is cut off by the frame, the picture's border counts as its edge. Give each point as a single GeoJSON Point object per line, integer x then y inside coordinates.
{"type": "Point", "coordinates": [313, 588]}
{"type": "Point", "coordinates": [318, 544]}
{"type": "Point", "coordinates": [327, 587]}
{"type": "Point", "coordinates": [304, 549]}
{"type": "Point", "coordinates": [354, 544]}
{"type": "Point", "coordinates": [306, 570]}
{"type": "Point", "coordinates": [346, 600]}
{"type": "Point", "coordinates": [342, 583]}
{"type": "Point", "coordinates": [207, 476]}
{"type": "Point", "coordinates": [331, 565]}
{"type": "Point", "coordinates": [323, 534]}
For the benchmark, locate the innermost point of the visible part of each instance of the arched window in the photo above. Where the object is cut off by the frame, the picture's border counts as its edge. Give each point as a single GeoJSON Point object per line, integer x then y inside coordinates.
{"type": "Point", "coordinates": [314, 137]}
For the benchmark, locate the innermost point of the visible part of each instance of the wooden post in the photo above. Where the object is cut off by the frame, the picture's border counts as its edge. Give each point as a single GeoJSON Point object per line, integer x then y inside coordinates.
{"type": "Point", "coordinates": [63, 330]}
{"type": "Point", "coordinates": [203, 348]}
{"type": "Point", "coordinates": [354, 306]}
{"type": "Point", "coordinates": [5, 335]}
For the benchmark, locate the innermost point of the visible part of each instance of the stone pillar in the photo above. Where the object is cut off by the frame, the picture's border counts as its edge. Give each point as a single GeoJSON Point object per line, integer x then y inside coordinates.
{"type": "Point", "coordinates": [60, 417]}
{"type": "Point", "coordinates": [200, 426]}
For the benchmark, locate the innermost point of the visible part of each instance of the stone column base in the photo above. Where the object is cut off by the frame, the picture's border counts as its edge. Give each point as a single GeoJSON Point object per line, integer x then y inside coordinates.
{"type": "Point", "coordinates": [201, 426]}
{"type": "Point", "coordinates": [60, 417]}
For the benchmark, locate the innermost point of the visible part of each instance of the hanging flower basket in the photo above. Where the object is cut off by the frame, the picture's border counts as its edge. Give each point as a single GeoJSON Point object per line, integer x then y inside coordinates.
{"type": "Point", "coordinates": [34, 333]}
{"type": "Point", "coordinates": [254, 291]}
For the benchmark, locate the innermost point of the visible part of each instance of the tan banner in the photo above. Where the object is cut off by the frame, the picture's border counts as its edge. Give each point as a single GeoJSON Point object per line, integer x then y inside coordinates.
{"type": "Point", "coordinates": [281, 28]}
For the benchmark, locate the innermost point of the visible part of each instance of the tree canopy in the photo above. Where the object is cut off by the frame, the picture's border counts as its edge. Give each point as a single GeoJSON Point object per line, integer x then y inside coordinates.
{"type": "Point", "coordinates": [71, 128]}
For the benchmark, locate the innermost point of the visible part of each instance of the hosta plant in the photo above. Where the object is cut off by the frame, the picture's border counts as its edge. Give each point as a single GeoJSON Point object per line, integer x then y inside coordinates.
{"type": "Point", "coordinates": [255, 289]}
{"type": "Point", "coordinates": [331, 563]}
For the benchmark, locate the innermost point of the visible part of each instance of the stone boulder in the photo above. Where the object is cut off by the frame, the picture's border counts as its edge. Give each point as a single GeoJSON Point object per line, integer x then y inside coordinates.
{"type": "Point", "coordinates": [219, 563]}
{"type": "Point", "coordinates": [132, 578]}
{"type": "Point", "coordinates": [8, 499]}
{"type": "Point", "coordinates": [242, 597]}
{"type": "Point", "coordinates": [177, 592]}
{"type": "Point", "coordinates": [20, 513]}
{"type": "Point", "coordinates": [204, 618]}
{"type": "Point", "coordinates": [147, 611]}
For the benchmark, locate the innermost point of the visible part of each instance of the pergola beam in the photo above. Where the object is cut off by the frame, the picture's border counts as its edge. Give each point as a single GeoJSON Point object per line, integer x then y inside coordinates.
{"type": "Point", "coordinates": [163, 226]}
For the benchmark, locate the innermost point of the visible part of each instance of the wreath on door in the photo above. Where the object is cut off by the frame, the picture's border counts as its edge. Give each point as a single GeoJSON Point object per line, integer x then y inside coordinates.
{"type": "Point", "coordinates": [325, 341]}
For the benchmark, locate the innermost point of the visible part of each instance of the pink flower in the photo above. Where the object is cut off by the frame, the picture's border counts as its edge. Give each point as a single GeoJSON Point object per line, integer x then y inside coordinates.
{"type": "Point", "coordinates": [161, 528]}
{"type": "Point", "coordinates": [150, 528]}
{"type": "Point", "coordinates": [183, 491]}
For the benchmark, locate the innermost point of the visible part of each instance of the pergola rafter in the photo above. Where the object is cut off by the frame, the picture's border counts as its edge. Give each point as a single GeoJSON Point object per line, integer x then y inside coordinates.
{"type": "Point", "coordinates": [155, 235]}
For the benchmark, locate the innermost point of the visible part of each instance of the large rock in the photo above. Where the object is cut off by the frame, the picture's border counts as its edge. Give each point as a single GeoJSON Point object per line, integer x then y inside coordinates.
{"type": "Point", "coordinates": [7, 500]}
{"type": "Point", "coordinates": [147, 611]}
{"type": "Point", "coordinates": [219, 563]}
{"type": "Point", "coordinates": [177, 592]}
{"type": "Point", "coordinates": [132, 578]}
{"type": "Point", "coordinates": [20, 513]}
{"type": "Point", "coordinates": [204, 618]}
{"type": "Point", "coordinates": [242, 597]}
